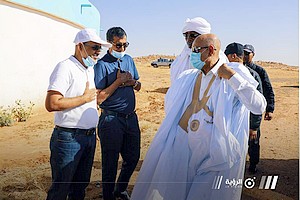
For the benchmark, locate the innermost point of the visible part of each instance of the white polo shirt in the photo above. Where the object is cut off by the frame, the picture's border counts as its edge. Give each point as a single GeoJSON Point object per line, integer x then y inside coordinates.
{"type": "Point", "coordinates": [69, 78]}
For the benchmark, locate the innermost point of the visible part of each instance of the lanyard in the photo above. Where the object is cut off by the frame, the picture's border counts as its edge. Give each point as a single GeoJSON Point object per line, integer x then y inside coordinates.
{"type": "Point", "coordinates": [196, 105]}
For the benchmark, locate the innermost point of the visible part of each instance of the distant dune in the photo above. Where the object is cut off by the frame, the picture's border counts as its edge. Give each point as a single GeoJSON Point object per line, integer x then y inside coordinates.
{"type": "Point", "coordinates": [150, 58]}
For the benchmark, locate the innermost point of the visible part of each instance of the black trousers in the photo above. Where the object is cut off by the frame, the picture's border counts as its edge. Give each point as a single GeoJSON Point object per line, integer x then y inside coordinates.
{"type": "Point", "coordinates": [118, 135]}
{"type": "Point", "coordinates": [253, 149]}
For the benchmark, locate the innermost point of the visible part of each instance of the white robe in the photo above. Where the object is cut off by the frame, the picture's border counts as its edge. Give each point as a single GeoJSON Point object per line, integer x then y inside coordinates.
{"type": "Point", "coordinates": [181, 165]}
{"type": "Point", "coordinates": [182, 63]}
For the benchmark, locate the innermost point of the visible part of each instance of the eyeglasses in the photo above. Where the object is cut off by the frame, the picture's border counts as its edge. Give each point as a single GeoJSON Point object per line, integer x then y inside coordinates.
{"type": "Point", "coordinates": [119, 45]}
{"type": "Point", "coordinates": [247, 53]}
{"type": "Point", "coordinates": [94, 47]}
{"type": "Point", "coordinates": [197, 49]}
{"type": "Point", "coordinates": [191, 35]}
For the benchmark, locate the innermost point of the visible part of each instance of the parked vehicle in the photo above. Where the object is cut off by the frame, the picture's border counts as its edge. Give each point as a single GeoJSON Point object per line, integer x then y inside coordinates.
{"type": "Point", "coordinates": [162, 62]}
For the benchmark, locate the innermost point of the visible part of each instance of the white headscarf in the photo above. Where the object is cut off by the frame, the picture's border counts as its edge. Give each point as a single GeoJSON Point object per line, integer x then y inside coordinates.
{"type": "Point", "coordinates": [182, 62]}
{"type": "Point", "coordinates": [197, 24]}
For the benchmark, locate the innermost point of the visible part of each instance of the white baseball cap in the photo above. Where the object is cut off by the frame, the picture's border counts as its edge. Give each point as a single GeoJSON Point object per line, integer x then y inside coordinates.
{"type": "Point", "coordinates": [89, 34]}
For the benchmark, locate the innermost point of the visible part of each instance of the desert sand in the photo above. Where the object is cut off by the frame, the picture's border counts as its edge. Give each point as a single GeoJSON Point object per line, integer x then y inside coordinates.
{"type": "Point", "coordinates": [24, 147]}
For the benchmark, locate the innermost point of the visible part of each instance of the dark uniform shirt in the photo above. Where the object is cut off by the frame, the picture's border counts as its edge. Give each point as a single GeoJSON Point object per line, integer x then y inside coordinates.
{"type": "Point", "coordinates": [255, 120]}
{"type": "Point", "coordinates": [266, 86]}
{"type": "Point", "coordinates": [123, 99]}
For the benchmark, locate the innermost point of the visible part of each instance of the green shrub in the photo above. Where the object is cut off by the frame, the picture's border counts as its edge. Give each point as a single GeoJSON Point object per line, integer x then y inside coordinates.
{"type": "Point", "coordinates": [19, 113]}
{"type": "Point", "coordinates": [6, 118]}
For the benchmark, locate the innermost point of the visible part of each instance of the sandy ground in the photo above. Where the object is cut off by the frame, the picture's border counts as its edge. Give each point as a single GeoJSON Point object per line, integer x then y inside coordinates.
{"type": "Point", "coordinates": [24, 147]}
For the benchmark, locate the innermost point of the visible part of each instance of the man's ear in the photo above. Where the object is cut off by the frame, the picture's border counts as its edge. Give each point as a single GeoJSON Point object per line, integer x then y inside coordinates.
{"type": "Point", "coordinates": [211, 49]}
{"type": "Point", "coordinates": [80, 46]}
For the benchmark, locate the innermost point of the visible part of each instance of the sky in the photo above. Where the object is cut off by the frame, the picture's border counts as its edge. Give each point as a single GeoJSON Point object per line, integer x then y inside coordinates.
{"type": "Point", "coordinates": [155, 27]}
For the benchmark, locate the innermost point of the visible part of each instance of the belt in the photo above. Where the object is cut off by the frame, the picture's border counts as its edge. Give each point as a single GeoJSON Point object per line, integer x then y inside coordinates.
{"type": "Point", "coordinates": [108, 112]}
{"type": "Point", "coordinates": [90, 131]}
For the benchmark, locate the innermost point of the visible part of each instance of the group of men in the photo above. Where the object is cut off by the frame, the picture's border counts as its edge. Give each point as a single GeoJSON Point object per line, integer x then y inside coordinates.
{"type": "Point", "coordinates": [242, 54]}
{"type": "Point", "coordinates": [204, 134]}
{"type": "Point", "coordinates": [77, 85]}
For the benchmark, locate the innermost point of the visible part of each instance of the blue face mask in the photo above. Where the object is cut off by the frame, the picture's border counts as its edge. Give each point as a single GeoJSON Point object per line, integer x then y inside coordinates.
{"type": "Point", "coordinates": [118, 55]}
{"type": "Point", "coordinates": [89, 62]}
{"type": "Point", "coordinates": [195, 60]}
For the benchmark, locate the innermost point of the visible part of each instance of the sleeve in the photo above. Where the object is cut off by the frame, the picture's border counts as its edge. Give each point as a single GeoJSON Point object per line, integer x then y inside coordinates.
{"type": "Point", "coordinates": [100, 75]}
{"type": "Point", "coordinates": [257, 78]}
{"type": "Point", "coordinates": [259, 87]}
{"type": "Point", "coordinates": [60, 79]}
{"type": "Point", "coordinates": [255, 121]}
{"type": "Point", "coordinates": [248, 94]}
{"type": "Point", "coordinates": [135, 72]}
{"type": "Point", "coordinates": [268, 91]}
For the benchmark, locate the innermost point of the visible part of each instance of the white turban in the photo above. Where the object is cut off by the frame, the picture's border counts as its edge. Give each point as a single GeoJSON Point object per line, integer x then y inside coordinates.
{"type": "Point", "coordinates": [197, 24]}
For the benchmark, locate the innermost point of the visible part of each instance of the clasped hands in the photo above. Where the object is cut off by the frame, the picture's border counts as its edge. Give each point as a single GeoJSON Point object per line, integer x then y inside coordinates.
{"type": "Point", "coordinates": [125, 79]}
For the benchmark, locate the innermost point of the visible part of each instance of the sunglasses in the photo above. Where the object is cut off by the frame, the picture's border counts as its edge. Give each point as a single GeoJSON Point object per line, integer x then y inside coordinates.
{"type": "Point", "coordinates": [197, 49]}
{"type": "Point", "coordinates": [246, 53]}
{"type": "Point", "coordinates": [191, 35]}
{"type": "Point", "coordinates": [119, 45]}
{"type": "Point", "coordinates": [94, 47]}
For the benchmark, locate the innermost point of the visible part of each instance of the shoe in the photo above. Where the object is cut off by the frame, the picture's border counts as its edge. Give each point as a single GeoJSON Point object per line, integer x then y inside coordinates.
{"type": "Point", "coordinates": [252, 169]}
{"type": "Point", "coordinates": [122, 195]}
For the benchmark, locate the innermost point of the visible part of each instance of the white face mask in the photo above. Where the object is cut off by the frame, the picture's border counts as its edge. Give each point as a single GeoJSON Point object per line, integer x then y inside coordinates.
{"type": "Point", "coordinates": [118, 55]}
{"type": "Point", "coordinates": [89, 61]}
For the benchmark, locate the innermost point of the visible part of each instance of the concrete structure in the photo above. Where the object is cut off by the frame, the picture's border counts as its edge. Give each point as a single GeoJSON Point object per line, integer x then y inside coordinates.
{"type": "Point", "coordinates": [33, 41]}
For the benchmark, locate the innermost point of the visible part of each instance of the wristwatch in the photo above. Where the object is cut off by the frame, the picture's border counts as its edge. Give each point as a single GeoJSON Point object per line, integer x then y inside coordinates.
{"type": "Point", "coordinates": [135, 84]}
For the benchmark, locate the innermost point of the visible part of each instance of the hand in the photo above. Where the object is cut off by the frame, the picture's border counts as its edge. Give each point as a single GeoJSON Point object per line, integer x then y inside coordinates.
{"type": "Point", "coordinates": [123, 77]}
{"type": "Point", "coordinates": [89, 94]}
{"type": "Point", "coordinates": [132, 82]}
{"type": "Point", "coordinates": [99, 99]}
{"type": "Point", "coordinates": [252, 134]}
{"type": "Point", "coordinates": [138, 86]}
{"type": "Point", "coordinates": [129, 82]}
{"type": "Point", "coordinates": [225, 72]}
{"type": "Point", "coordinates": [268, 116]}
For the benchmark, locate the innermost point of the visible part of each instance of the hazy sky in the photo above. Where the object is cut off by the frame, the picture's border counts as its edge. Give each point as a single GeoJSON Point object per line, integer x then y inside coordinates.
{"type": "Point", "coordinates": [154, 27]}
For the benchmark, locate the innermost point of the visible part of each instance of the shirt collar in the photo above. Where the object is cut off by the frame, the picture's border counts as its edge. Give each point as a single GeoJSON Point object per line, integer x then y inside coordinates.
{"type": "Point", "coordinates": [215, 68]}
{"type": "Point", "coordinates": [111, 57]}
{"type": "Point", "coordinates": [77, 63]}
